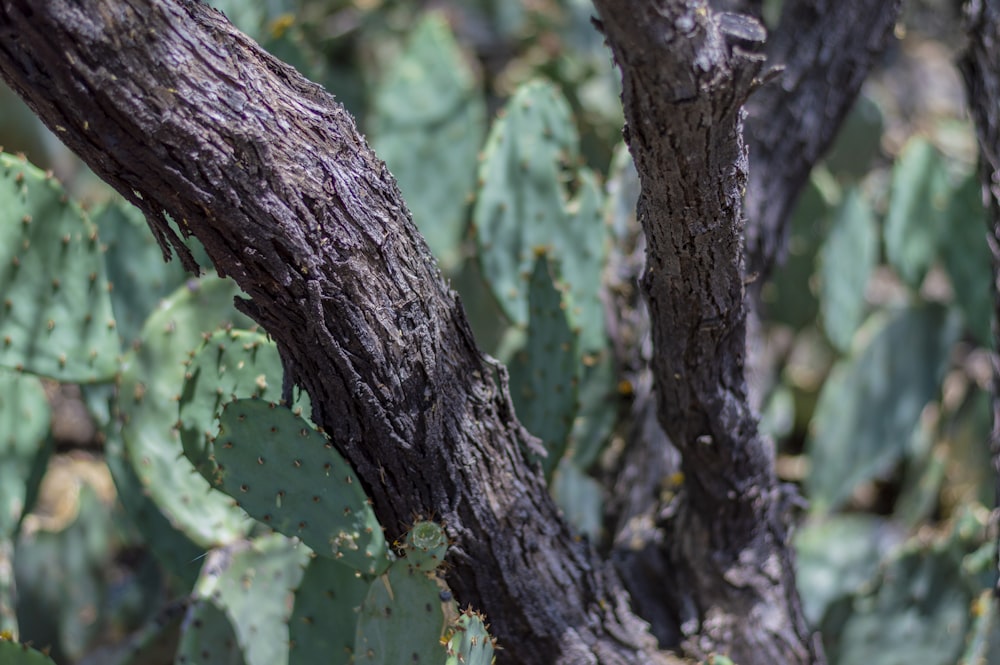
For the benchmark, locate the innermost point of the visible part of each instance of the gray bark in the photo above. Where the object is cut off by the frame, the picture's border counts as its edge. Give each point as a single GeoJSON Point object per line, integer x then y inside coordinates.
{"type": "Point", "coordinates": [726, 558]}
{"type": "Point", "coordinates": [980, 66]}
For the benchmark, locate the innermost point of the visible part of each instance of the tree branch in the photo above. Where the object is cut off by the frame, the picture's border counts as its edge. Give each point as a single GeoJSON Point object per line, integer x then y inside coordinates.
{"type": "Point", "coordinates": [980, 66]}
{"type": "Point", "coordinates": [826, 48]}
{"type": "Point", "coordinates": [185, 116]}
{"type": "Point", "coordinates": [683, 92]}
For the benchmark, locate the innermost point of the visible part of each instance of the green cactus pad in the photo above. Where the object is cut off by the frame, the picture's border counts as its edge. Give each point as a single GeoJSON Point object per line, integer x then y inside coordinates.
{"type": "Point", "coordinates": [231, 364]}
{"type": "Point", "coordinates": [8, 588]}
{"type": "Point", "coordinates": [139, 276]}
{"type": "Point", "coordinates": [243, 592]}
{"type": "Point", "coordinates": [55, 315]}
{"type": "Point", "coordinates": [470, 643]}
{"type": "Point", "coordinates": [402, 619]}
{"type": "Point", "coordinates": [428, 125]}
{"type": "Point", "coordinates": [544, 374]}
{"type": "Point", "coordinates": [24, 424]}
{"type": "Point", "coordinates": [290, 477]}
{"type": "Point", "coordinates": [150, 389]}
{"type": "Point", "coordinates": [426, 545]}
{"type": "Point", "coordinates": [528, 168]}
{"type": "Point", "coordinates": [59, 570]}
{"type": "Point", "coordinates": [12, 653]}
{"type": "Point", "coordinates": [325, 614]}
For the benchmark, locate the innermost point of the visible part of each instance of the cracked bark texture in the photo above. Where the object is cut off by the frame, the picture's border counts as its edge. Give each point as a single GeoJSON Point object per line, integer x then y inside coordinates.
{"type": "Point", "coordinates": [729, 568]}
{"type": "Point", "coordinates": [792, 120]}
{"type": "Point", "coordinates": [980, 67]}
{"type": "Point", "coordinates": [184, 115]}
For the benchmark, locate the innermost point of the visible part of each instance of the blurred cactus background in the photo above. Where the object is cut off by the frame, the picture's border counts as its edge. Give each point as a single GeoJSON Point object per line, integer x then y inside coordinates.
{"type": "Point", "coordinates": [157, 506]}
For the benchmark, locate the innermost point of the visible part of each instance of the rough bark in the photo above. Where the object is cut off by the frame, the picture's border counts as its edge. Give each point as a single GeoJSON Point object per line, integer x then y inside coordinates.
{"type": "Point", "coordinates": [980, 67]}
{"type": "Point", "coordinates": [184, 115]}
{"type": "Point", "coordinates": [684, 84]}
{"type": "Point", "coordinates": [827, 48]}
{"type": "Point", "coordinates": [793, 120]}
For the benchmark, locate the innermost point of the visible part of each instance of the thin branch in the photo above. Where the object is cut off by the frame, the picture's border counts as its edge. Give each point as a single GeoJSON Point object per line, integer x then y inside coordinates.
{"type": "Point", "coordinates": [827, 48]}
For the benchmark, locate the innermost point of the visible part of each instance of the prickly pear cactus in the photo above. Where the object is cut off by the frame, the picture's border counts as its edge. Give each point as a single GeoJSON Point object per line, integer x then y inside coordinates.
{"type": "Point", "coordinates": [138, 275]}
{"type": "Point", "coordinates": [402, 619]}
{"type": "Point", "coordinates": [425, 546]}
{"type": "Point", "coordinates": [523, 203]}
{"type": "Point", "coordinates": [290, 477]}
{"type": "Point", "coordinates": [407, 610]}
{"type": "Point", "coordinates": [545, 373]}
{"type": "Point", "coordinates": [55, 315]}
{"type": "Point", "coordinates": [150, 388]}
{"type": "Point", "coordinates": [470, 642]}
{"type": "Point", "coordinates": [12, 653]}
{"type": "Point", "coordinates": [325, 613]}
{"type": "Point", "coordinates": [244, 592]}
{"type": "Point", "coordinates": [24, 424]}
{"type": "Point", "coordinates": [428, 125]}
{"type": "Point", "coordinates": [231, 364]}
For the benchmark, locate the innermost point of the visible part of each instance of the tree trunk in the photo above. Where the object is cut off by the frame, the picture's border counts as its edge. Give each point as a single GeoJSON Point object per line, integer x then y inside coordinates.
{"type": "Point", "coordinates": [792, 120]}
{"type": "Point", "coordinates": [185, 116]}
{"type": "Point", "coordinates": [684, 86]}
{"type": "Point", "coordinates": [980, 67]}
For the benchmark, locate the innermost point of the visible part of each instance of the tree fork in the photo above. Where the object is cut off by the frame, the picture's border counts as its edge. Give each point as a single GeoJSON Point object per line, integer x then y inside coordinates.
{"type": "Point", "coordinates": [187, 117]}
{"type": "Point", "coordinates": [684, 82]}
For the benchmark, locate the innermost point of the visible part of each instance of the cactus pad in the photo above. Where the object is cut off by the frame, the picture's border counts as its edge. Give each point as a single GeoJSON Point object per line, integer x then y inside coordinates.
{"type": "Point", "coordinates": [24, 424]}
{"type": "Point", "coordinates": [428, 125]}
{"type": "Point", "coordinates": [325, 614]}
{"type": "Point", "coordinates": [290, 477]}
{"type": "Point", "coordinates": [246, 587]}
{"type": "Point", "coordinates": [55, 315]}
{"type": "Point", "coordinates": [12, 653]}
{"type": "Point", "coordinates": [402, 620]}
{"type": "Point", "coordinates": [544, 374]}
{"type": "Point", "coordinates": [470, 642]}
{"type": "Point", "coordinates": [231, 364]}
{"type": "Point", "coordinates": [523, 204]}
{"type": "Point", "coordinates": [426, 545]}
{"type": "Point", "coordinates": [149, 391]}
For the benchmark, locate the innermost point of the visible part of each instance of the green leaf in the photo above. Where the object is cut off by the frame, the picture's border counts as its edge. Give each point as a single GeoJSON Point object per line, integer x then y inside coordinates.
{"type": "Point", "coordinates": [871, 402]}
{"type": "Point", "coordinates": [847, 260]}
